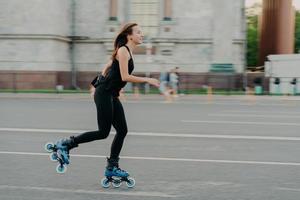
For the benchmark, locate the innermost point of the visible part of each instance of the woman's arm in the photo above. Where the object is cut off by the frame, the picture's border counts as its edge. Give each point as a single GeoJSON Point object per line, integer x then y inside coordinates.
{"type": "Point", "coordinates": [104, 72]}
{"type": "Point", "coordinates": [106, 67]}
{"type": "Point", "coordinates": [123, 57]}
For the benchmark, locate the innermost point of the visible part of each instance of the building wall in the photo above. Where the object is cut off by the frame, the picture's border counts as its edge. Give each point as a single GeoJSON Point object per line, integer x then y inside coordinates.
{"type": "Point", "coordinates": [91, 17]}
{"type": "Point", "coordinates": [35, 17]}
{"type": "Point", "coordinates": [35, 37]}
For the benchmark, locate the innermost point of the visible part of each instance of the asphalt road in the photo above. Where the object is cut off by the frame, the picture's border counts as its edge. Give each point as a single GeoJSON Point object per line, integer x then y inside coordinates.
{"type": "Point", "coordinates": [227, 147]}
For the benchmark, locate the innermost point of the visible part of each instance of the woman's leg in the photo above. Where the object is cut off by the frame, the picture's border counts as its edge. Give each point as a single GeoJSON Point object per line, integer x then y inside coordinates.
{"type": "Point", "coordinates": [104, 104]}
{"type": "Point", "coordinates": [119, 123]}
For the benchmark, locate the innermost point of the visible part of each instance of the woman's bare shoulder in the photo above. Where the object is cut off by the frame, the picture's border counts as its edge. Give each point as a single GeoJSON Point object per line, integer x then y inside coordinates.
{"type": "Point", "coordinates": [123, 52]}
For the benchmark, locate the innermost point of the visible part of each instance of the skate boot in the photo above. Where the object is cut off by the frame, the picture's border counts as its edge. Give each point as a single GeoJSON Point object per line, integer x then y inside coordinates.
{"type": "Point", "coordinates": [64, 146]}
{"type": "Point", "coordinates": [115, 175]}
{"type": "Point", "coordinates": [113, 169]}
{"type": "Point", "coordinates": [60, 152]}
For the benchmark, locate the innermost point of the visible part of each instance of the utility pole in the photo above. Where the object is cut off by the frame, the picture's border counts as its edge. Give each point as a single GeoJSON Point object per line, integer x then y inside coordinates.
{"type": "Point", "coordinates": [72, 47]}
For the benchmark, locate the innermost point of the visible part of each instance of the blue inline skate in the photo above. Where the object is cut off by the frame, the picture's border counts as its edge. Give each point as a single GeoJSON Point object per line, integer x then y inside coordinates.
{"type": "Point", "coordinates": [60, 153]}
{"type": "Point", "coordinates": [115, 176]}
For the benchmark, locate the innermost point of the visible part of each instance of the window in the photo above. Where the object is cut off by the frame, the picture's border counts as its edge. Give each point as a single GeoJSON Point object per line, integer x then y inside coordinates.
{"type": "Point", "coordinates": [146, 14]}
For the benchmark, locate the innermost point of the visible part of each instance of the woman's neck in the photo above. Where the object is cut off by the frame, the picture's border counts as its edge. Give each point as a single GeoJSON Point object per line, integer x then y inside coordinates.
{"type": "Point", "coordinates": [131, 45]}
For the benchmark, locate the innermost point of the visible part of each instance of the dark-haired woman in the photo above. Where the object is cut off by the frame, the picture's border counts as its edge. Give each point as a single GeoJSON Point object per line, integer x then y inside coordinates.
{"type": "Point", "coordinates": [115, 75]}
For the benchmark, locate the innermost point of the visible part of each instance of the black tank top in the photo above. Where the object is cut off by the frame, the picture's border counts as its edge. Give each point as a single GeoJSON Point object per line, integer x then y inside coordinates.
{"type": "Point", "coordinates": [113, 80]}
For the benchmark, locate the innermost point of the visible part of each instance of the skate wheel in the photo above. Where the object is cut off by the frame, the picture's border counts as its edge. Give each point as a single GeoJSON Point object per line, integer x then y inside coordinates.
{"type": "Point", "coordinates": [116, 183]}
{"type": "Point", "coordinates": [61, 169]}
{"type": "Point", "coordinates": [53, 157]}
{"type": "Point", "coordinates": [49, 147]}
{"type": "Point", "coordinates": [130, 183]}
{"type": "Point", "coordinates": [64, 156]}
{"type": "Point", "coordinates": [105, 183]}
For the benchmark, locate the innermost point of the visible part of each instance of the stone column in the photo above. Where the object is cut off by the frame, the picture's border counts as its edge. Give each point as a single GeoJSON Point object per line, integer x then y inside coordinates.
{"type": "Point", "coordinates": [286, 28]}
{"type": "Point", "coordinates": [167, 10]}
{"type": "Point", "coordinates": [113, 12]}
{"type": "Point", "coordinates": [277, 29]}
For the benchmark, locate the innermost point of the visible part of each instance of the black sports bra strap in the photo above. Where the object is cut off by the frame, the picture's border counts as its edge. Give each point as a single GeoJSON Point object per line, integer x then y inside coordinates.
{"type": "Point", "coordinates": [128, 50]}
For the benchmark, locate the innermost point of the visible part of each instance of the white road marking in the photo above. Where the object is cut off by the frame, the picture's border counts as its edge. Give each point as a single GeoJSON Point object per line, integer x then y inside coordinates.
{"type": "Point", "coordinates": [246, 162]}
{"type": "Point", "coordinates": [206, 102]}
{"type": "Point", "coordinates": [160, 134]}
{"type": "Point", "coordinates": [243, 123]}
{"type": "Point", "coordinates": [274, 112]}
{"type": "Point", "coordinates": [41, 130]}
{"type": "Point", "coordinates": [81, 191]}
{"type": "Point", "coordinates": [289, 189]}
{"type": "Point", "coordinates": [255, 115]}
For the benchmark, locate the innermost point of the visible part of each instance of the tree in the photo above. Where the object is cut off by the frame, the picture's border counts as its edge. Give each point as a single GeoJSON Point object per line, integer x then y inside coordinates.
{"type": "Point", "coordinates": [252, 41]}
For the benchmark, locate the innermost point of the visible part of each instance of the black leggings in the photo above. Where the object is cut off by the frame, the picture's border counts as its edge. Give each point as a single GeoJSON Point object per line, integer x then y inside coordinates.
{"type": "Point", "coordinates": [109, 112]}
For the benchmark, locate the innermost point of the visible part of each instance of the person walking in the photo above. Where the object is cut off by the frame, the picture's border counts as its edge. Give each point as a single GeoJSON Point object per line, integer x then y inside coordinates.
{"type": "Point", "coordinates": [174, 81]}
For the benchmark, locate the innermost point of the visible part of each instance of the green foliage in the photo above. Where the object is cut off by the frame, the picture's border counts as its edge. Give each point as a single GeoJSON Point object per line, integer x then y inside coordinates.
{"type": "Point", "coordinates": [252, 41]}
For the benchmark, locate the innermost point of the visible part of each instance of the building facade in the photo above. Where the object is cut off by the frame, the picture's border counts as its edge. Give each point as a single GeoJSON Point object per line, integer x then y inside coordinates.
{"type": "Point", "coordinates": [66, 42]}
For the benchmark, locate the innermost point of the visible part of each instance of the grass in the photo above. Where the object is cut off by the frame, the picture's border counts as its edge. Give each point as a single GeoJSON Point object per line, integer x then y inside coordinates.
{"type": "Point", "coordinates": [46, 91]}
{"type": "Point", "coordinates": [200, 91]}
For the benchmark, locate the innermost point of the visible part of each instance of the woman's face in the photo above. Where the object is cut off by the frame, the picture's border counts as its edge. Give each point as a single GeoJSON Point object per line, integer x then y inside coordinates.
{"type": "Point", "coordinates": [137, 35]}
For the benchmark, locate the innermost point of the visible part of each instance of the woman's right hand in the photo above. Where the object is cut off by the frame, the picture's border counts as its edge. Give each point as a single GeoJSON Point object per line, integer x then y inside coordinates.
{"type": "Point", "coordinates": [153, 81]}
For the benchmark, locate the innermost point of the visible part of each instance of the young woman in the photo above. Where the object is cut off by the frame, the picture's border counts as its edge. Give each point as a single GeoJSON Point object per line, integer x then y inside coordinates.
{"type": "Point", "coordinates": [115, 75]}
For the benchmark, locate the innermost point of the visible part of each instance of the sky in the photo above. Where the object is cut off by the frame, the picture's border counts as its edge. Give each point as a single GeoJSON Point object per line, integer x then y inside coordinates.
{"type": "Point", "coordinates": [296, 3]}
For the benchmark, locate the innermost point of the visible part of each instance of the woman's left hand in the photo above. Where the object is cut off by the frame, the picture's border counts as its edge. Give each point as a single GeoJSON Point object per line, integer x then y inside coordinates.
{"type": "Point", "coordinates": [153, 81]}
